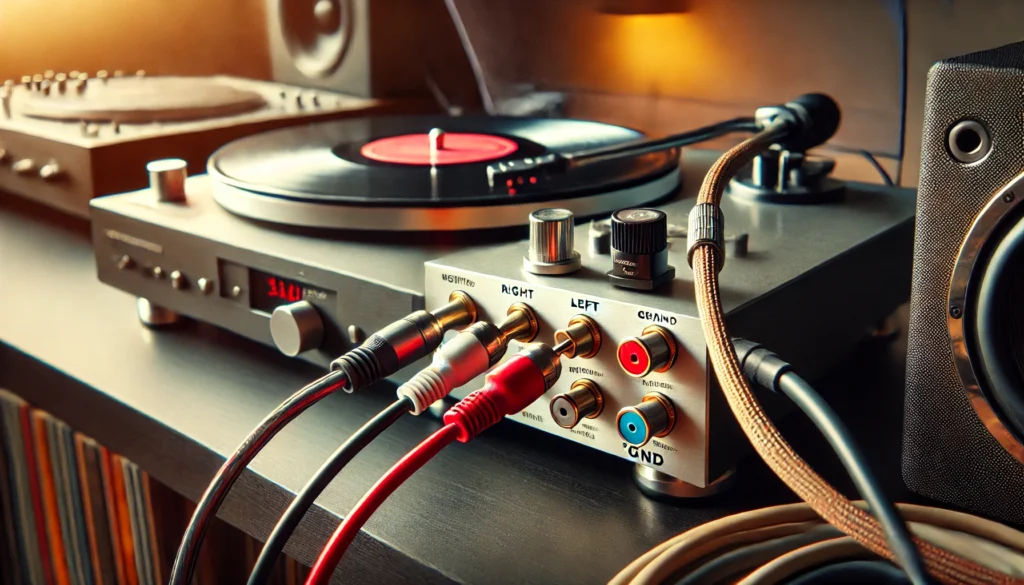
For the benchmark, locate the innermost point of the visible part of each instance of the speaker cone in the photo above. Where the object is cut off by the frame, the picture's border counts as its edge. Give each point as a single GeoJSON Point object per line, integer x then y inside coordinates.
{"type": "Point", "coordinates": [995, 323]}
{"type": "Point", "coordinates": [316, 33]}
{"type": "Point", "coordinates": [986, 317]}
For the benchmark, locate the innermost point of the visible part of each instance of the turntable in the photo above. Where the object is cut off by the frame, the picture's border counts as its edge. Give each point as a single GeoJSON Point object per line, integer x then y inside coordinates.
{"type": "Point", "coordinates": [65, 138]}
{"type": "Point", "coordinates": [343, 215]}
{"type": "Point", "coordinates": [421, 174]}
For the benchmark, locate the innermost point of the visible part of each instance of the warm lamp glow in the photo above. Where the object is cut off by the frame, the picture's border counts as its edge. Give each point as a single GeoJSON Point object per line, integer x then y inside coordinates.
{"type": "Point", "coordinates": [657, 53]}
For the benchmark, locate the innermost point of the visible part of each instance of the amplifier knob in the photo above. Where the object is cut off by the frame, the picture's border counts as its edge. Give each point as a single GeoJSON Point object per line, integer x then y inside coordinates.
{"type": "Point", "coordinates": [178, 280]}
{"type": "Point", "coordinates": [551, 243]}
{"type": "Point", "coordinates": [296, 328]}
{"type": "Point", "coordinates": [167, 179]}
{"type": "Point", "coordinates": [24, 166]}
{"type": "Point", "coordinates": [640, 249]}
{"type": "Point", "coordinates": [51, 171]}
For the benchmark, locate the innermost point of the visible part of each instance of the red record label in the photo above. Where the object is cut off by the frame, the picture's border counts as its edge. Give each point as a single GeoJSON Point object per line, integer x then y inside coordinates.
{"type": "Point", "coordinates": [455, 148]}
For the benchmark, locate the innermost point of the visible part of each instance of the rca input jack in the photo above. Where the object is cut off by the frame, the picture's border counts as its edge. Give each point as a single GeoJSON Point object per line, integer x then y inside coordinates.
{"type": "Point", "coordinates": [523, 327]}
{"type": "Point", "coordinates": [582, 336]}
{"type": "Point", "coordinates": [653, 417]}
{"type": "Point", "coordinates": [654, 351]}
{"type": "Point", "coordinates": [583, 400]}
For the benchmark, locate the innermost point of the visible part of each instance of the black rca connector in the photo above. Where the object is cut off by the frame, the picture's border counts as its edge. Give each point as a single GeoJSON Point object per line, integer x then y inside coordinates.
{"type": "Point", "coordinates": [403, 342]}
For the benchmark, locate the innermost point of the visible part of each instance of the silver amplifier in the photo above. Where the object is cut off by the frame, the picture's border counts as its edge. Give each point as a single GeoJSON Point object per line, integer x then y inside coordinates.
{"type": "Point", "coordinates": [192, 258]}
{"type": "Point", "coordinates": [813, 281]}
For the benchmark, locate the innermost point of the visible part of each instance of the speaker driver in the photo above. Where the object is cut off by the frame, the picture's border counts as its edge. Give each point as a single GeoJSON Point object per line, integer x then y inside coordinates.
{"type": "Point", "coordinates": [316, 33]}
{"type": "Point", "coordinates": [986, 317]}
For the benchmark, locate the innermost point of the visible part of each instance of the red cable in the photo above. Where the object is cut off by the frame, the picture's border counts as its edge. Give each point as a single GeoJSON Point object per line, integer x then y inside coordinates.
{"type": "Point", "coordinates": [385, 486]}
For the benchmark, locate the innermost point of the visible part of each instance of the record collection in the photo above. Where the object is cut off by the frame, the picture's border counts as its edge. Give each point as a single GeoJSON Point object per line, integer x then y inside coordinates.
{"type": "Point", "coordinates": [75, 513]}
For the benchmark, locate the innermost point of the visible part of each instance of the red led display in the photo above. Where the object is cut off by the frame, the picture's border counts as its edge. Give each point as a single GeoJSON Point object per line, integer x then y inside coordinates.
{"type": "Point", "coordinates": [269, 291]}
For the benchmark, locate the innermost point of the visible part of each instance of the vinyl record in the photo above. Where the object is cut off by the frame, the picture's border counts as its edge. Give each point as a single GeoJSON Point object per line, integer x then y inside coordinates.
{"type": "Point", "coordinates": [380, 174]}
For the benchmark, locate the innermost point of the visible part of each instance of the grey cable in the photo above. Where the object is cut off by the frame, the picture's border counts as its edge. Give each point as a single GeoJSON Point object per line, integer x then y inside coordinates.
{"type": "Point", "coordinates": [767, 369]}
{"type": "Point", "coordinates": [474, 62]}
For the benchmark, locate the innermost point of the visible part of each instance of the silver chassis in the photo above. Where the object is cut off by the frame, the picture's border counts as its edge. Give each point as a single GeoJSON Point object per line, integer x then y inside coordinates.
{"type": "Point", "coordinates": [1003, 202]}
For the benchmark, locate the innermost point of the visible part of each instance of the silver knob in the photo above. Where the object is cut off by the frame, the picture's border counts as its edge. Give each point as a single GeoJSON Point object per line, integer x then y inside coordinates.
{"type": "Point", "coordinates": [51, 171]}
{"type": "Point", "coordinates": [167, 179]}
{"type": "Point", "coordinates": [24, 166]}
{"type": "Point", "coordinates": [551, 243]}
{"type": "Point", "coordinates": [296, 328]}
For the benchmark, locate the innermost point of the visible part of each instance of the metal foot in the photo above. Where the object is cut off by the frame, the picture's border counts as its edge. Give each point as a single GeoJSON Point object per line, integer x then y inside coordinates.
{"type": "Point", "coordinates": [656, 484]}
{"type": "Point", "coordinates": [154, 315]}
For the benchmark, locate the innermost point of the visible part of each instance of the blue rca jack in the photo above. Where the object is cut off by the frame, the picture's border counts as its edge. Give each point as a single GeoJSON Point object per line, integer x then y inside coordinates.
{"type": "Point", "coordinates": [653, 417]}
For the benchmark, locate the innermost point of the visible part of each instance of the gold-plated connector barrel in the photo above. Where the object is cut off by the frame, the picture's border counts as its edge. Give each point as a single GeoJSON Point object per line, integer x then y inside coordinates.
{"type": "Point", "coordinates": [583, 400]}
{"type": "Point", "coordinates": [520, 324]}
{"type": "Point", "coordinates": [459, 312]}
{"type": "Point", "coordinates": [581, 338]}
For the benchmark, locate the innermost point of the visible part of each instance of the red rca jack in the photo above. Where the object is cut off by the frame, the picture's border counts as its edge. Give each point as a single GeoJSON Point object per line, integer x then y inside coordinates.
{"type": "Point", "coordinates": [583, 400]}
{"type": "Point", "coordinates": [653, 417]}
{"type": "Point", "coordinates": [654, 351]}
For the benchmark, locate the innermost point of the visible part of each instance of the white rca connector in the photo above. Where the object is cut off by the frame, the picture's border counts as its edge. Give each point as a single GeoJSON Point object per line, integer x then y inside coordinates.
{"type": "Point", "coordinates": [470, 353]}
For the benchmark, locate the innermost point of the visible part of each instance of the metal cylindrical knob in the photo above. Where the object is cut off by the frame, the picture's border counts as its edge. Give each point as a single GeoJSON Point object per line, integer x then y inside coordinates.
{"type": "Point", "coordinates": [296, 328]}
{"type": "Point", "coordinates": [167, 179]}
{"type": "Point", "coordinates": [24, 166]}
{"type": "Point", "coordinates": [50, 171]}
{"type": "Point", "coordinates": [583, 400]}
{"type": "Point", "coordinates": [551, 248]}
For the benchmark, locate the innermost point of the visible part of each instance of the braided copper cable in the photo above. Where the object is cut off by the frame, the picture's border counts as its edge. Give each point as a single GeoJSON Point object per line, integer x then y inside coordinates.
{"type": "Point", "coordinates": [766, 439]}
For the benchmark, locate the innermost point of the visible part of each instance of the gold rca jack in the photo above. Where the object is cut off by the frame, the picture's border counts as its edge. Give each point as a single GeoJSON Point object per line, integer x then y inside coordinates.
{"type": "Point", "coordinates": [520, 323]}
{"type": "Point", "coordinates": [581, 338]}
{"type": "Point", "coordinates": [583, 400]}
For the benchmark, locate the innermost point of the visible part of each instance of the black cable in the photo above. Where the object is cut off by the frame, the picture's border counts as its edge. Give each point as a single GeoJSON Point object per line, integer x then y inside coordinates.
{"type": "Point", "coordinates": [231, 470]}
{"type": "Point", "coordinates": [878, 167]}
{"type": "Point", "coordinates": [838, 436]}
{"type": "Point", "coordinates": [318, 483]}
{"type": "Point", "coordinates": [770, 371]}
{"type": "Point", "coordinates": [595, 155]}
{"type": "Point", "coordinates": [537, 170]}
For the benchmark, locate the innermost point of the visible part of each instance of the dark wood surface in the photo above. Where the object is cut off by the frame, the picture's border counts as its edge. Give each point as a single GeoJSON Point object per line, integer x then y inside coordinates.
{"type": "Point", "coordinates": [515, 506]}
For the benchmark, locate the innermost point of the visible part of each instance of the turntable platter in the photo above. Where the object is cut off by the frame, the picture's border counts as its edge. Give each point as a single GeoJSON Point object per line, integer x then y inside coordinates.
{"type": "Point", "coordinates": [140, 100]}
{"type": "Point", "coordinates": [376, 173]}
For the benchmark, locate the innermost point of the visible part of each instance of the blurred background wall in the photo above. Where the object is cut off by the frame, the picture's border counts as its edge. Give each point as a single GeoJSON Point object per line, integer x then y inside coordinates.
{"type": "Point", "coordinates": [660, 66]}
{"type": "Point", "coordinates": [195, 37]}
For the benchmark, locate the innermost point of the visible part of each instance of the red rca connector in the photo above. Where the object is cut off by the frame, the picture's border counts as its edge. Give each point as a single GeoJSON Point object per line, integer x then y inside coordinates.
{"type": "Point", "coordinates": [512, 386]}
{"type": "Point", "coordinates": [508, 389]}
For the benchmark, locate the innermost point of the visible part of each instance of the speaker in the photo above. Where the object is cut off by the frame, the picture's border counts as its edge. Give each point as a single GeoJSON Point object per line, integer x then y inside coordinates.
{"type": "Point", "coordinates": [963, 438]}
{"type": "Point", "coordinates": [372, 48]}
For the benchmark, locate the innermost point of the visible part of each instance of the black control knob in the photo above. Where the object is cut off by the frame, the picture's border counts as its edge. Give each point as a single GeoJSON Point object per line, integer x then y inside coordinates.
{"type": "Point", "coordinates": [639, 249]}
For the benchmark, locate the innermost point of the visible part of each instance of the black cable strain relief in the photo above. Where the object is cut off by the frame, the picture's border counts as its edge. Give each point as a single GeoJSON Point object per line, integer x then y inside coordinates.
{"type": "Point", "coordinates": [760, 365]}
{"type": "Point", "coordinates": [372, 361]}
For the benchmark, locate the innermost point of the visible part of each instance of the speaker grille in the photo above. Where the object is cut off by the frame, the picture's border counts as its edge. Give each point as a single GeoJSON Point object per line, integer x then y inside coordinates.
{"type": "Point", "coordinates": [947, 453]}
